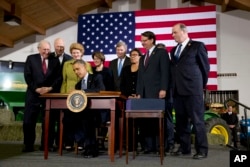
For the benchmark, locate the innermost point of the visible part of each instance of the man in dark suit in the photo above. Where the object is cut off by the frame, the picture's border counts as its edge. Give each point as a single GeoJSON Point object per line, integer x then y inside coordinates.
{"type": "Point", "coordinates": [117, 64]}
{"type": "Point", "coordinates": [189, 72]}
{"type": "Point", "coordinates": [153, 80]}
{"type": "Point", "coordinates": [59, 53]}
{"type": "Point", "coordinates": [116, 67]}
{"type": "Point", "coordinates": [59, 46]}
{"type": "Point", "coordinates": [41, 73]}
{"type": "Point", "coordinates": [88, 83]}
{"type": "Point", "coordinates": [230, 116]}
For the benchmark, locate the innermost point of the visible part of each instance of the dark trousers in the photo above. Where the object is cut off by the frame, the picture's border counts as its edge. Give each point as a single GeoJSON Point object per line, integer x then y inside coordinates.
{"type": "Point", "coordinates": [73, 128]}
{"type": "Point", "coordinates": [54, 126]}
{"type": "Point", "coordinates": [234, 134]}
{"type": "Point", "coordinates": [169, 127]}
{"type": "Point", "coordinates": [80, 127]}
{"type": "Point", "coordinates": [31, 115]}
{"type": "Point", "coordinates": [190, 109]}
{"type": "Point", "coordinates": [150, 132]}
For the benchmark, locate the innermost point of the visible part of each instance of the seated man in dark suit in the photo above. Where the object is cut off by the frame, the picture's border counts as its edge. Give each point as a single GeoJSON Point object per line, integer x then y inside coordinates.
{"type": "Point", "coordinates": [88, 83]}
{"type": "Point", "coordinates": [232, 120]}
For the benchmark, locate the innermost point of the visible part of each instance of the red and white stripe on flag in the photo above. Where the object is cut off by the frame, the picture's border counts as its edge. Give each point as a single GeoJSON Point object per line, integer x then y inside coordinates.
{"type": "Point", "coordinates": [201, 24]}
{"type": "Point", "coordinates": [200, 21]}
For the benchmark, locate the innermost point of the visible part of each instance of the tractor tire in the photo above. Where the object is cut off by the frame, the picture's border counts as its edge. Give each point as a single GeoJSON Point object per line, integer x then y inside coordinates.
{"type": "Point", "coordinates": [217, 126]}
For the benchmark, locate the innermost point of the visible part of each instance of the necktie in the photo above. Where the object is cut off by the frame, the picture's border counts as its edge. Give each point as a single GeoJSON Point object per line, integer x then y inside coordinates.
{"type": "Point", "coordinates": [146, 59]}
{"type": "Point", "coordinates": [119, 67]}
{"type": "Point", "coordinates": [44, 66]}
{"type": "Point", "coordinates": [177, 54]}
{"type": "Point", "coordinates": [84, 85]}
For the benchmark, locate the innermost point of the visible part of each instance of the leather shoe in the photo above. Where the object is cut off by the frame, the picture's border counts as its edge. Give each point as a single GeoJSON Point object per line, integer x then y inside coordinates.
{"type": "Point", "coordinates": [179, 152]}
{"type": "Point", "coordinates": [148, 151]}
{"type": "Point", "coordinates": [52, 149]}
{"type": "Point", "coordinates": [28, 149]}
{"type": "Point", "coordinates": [90, 153]}
{"type": "Point", "coordinates": [170, 149]}
{"type": "Point", "coordinates": [200, 156]}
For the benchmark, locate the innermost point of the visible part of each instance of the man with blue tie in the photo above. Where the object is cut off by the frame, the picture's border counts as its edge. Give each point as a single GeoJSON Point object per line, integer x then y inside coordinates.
{"type": "Point", "coordinates": [189, 71]}
{"type": "Point", "coordinates": [117, 64]}
{"type": "Point", "coordinates": [88, 83]}
{"type": "Point", "coordinates": [116, 67]}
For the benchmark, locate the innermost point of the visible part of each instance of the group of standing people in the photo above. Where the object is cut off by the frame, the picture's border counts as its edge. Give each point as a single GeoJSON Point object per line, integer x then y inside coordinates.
{"type": "Point", "coordinates": [179, 77]}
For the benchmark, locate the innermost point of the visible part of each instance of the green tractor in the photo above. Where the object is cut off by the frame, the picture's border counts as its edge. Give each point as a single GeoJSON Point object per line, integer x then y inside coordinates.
{"type": "Point", "coordinates": [217, 128]}
{"type": "Point", "coordinates": [218, 131]}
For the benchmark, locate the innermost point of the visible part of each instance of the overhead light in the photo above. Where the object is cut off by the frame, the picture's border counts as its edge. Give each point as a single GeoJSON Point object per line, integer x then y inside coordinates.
{"type": "Point", "coordinates": [13, 17]}
{"type": "Point", "coordinates": [10, 64]}
{"type": "Point", "coordinates": [12, 20]}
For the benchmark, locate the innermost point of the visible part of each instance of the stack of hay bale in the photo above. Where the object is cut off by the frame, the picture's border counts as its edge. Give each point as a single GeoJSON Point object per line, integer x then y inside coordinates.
{"type": "Point", "coordinates": [12, 130]}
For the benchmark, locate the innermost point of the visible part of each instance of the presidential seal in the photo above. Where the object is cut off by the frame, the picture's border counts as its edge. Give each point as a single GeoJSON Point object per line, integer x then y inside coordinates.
{"type": "Point", "coordinates": [77, 101]}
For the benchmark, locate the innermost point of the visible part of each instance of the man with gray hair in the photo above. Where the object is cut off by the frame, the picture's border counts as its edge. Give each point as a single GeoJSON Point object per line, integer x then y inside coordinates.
{"type": "Point", "coordinates": [42, 75]}
{"type": "Point", "coordinates": [117, 64]}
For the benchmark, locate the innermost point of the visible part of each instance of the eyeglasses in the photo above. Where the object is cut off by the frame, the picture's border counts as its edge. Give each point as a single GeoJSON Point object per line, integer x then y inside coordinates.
{"type": "Point", "coordinates": [134, 55]}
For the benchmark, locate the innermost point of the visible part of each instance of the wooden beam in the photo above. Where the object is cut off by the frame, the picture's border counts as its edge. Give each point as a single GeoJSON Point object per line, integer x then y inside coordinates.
{"type": "Point", "coordinates": [66, 9]}
{"type": "Point", "coordinates": [30, 22]}
{"type": "Point", "coordinates": [243, 2]}
{"type": "Point", "coordinates": [197, 2]}
{"type": "Point", "coordinates": [216, 2]}
{"type": "Point", "coordinates": [149, 4]}
{"type": "Point", "coordinates": [240, 4]}
{"type": "Point", "coordinates": [109, 3]}
{"type": "Point", "coordinates": [92, 6]}
{"type": "Point", "coordinates": [25, 19]}
{"type": "Point", "coordinates": [224, 5]}
{"type": "Point", "coordinates": [5, 5]}
{"type": "Point", "coordinates": [7, 42]}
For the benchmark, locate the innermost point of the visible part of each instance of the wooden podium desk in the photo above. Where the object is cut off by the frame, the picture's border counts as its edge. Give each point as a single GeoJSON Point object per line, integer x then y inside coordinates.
{"type": "Point", "coordinates": [101, 100]}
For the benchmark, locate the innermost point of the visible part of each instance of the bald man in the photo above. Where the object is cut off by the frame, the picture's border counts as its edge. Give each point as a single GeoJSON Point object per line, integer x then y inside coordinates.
{"type": "Point", "coordinates": [59, 53]}
{"type": "Point", "coordinates": [189, 71]}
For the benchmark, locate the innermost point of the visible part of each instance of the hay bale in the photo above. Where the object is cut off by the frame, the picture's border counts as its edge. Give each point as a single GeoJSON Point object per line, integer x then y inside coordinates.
{"type": "Point", "coordinates": [6, 116]}
{"type": "Point", "coordinates": [14, 132]}
{"type": "Point", "coordinates": [213, 139]}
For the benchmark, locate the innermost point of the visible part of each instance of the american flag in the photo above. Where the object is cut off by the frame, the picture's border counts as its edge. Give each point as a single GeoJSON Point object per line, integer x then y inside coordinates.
{"type": "Point", "coordinates": [101, 32]}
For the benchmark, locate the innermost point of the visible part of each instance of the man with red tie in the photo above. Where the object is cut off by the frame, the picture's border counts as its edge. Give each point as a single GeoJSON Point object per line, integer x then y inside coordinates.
{"type": "Point", "coordinates": [42, 75]}
{"type": "Point", "coordinates": [152, 82]}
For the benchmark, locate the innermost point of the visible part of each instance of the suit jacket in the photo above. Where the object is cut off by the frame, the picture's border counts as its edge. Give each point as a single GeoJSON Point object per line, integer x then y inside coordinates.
{"type": "Point", "coordinates": [94, 83]}
{"type": "Point", "coordinates": [230, 119]}
{"type": "Point", "coordinates": [113, 66]}
{"type": "Point", "coordinates": [128, 81]}
{"type": "Point", "coordinates": [155, 76]}
{"type": "Point", "coordinates": [69, 77]}
{"type": "Point", "coordinates": [35, 78]}
{"type": "Point", "coordinates": [107, 77]}
{"type": "Point", "coordinates": [66, 57]}
{"type": "Point", "coordinates": [189, 75]}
